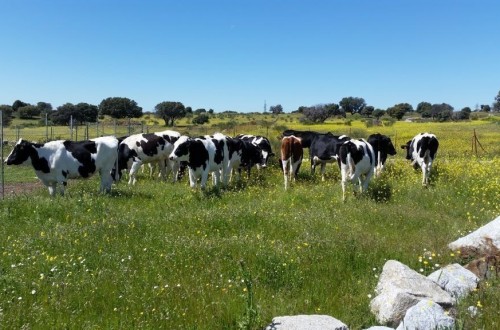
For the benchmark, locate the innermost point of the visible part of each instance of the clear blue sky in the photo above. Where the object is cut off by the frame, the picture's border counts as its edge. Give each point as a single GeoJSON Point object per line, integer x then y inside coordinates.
{"type": "Point", "coordinates": [236, 54]}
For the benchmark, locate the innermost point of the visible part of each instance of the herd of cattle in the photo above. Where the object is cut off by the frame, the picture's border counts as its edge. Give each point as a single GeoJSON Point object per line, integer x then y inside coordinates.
{"type": "Point", "coordinates": [57, 161]}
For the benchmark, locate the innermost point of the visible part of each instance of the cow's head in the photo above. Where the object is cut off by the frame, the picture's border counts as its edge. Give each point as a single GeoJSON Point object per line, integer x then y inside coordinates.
{"type": "Point", "coordinates": [181, 149]}
{"type": "Point", "coordinates": [408, 151]}
{"type": "Point", "coordinates": [264, 157]}
{"type": "Point", "coordinates": [20, 154]}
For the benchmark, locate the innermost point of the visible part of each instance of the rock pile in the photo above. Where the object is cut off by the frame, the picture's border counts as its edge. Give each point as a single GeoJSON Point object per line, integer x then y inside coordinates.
{"type": "Point", "coordinates": [408, 300]}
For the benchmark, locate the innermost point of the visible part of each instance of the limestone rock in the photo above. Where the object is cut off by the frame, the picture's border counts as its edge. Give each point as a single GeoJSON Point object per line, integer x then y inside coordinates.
{"type": "Point", "coordinates": [485, 240]}
{"type": "Point", "coordinates": [426, 315]}
{"type": "Point", "coordinates": [456, 280]}
{"type": "Point", "coordinates": [306, 322]}
{"type": "Point", "coordinates": [400, 288]}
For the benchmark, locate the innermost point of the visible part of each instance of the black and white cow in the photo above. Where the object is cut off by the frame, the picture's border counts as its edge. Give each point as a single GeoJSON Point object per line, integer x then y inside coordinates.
{"type": "Point", "coordinates": [357, 164]}
{"type": "Point", "coordinates": [243, 155]}
{"type": "Point", "coordinates": [292, 153]}
{"type": "Point", "coordinates": [263, 143]}
{"type": "Point", "coordinates": [57, 161]}
{"type": "Point", "coordinates": [144, 148]}
{"type": "Point", "coordinates": [324, 149]}
{"type": "Point", "coordinates": [204, 155]}
{"type": "Point", "coordinates": [382, 146]}
{"type": "Point", "coordinates": [421, 150]}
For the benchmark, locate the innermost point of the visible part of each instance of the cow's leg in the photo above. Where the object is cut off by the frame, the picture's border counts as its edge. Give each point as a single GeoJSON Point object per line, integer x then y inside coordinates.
{"type": "Point", "coordinates": [192, 179]}
{"type": "Point", "coordinates": [323, 167]}
{"type": "Point", "coordinates": [133, 170]}
{"type": "Point", "coordinates": [425, 178]}
{"type": "Point", "coordinates": [163, 170]}
{"type": "Point", "coordinates": [366, 181]}
{"type": "Point", "coordinates": [217, 177]}
{"type": "Point", "coordinates": [174, 167]}
{"type": "Point", "coordinates": [284, 164]}
{"type": "Point", "coordinates": [106, 181]}
{"type": "Point", "coordinates": [62, 187]}
{"type": "Point", "coordinates": [52, 188]}
{"type": "Point", "coordinates": [204, 178]}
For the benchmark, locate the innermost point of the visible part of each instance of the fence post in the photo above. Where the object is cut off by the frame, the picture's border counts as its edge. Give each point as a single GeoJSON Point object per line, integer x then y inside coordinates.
{"type": "Point", "coordinates": [46, 127]}
{"type": "Point", "coordinates": [87, 131]}
{"type": "Point", "coordinates": [129, 126]}
{"type": "Point", "coordinates": [114, 121]}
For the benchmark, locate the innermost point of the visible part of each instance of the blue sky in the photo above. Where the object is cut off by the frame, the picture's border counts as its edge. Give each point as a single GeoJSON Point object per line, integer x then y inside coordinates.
{"type": "Point", "coordinates": [236, 54]}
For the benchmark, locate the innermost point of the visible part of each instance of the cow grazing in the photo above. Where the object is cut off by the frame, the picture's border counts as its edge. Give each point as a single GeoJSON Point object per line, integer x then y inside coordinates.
{"type": "Point", "coordinates": [263, 143]}
{"type": "Point", "coordinates": [324, 149]}
{"type": "Point", "coordinates": [144, 148]}
{"type": "Point", "coordinates": [291, 157]}
{"type": "Point", "coordinates": [243, 155]}
{"type": "Point", "coordinates": [57, 161]}
{"type": "Point", "coordinates": [421, 150]}
{"type": "Point", "coordinates": [203, 155]}
{"type": "Point", "coordinates": [382, 146]}
{"type": "Point", "coordinates": [357, 164]}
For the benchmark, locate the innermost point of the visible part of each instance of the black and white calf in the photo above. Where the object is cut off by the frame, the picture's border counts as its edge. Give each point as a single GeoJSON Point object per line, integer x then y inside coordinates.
{"type": "Point", "coordinates": [263, 143]}
{"type": "Point", "coordinates": [204, 155]}
{"type": "Point", "coordinates": [57, 161]}
{"type": "Point", "coordinates": [324, 149]}
{"type": "Point", "coordinates": [357, 164]}
{"type": "Point", "coordinates": [155, 148]}
{"type": "Point", "coordinates": [382, 146]}
{"type": "Point", "coordinates": [421, 150]}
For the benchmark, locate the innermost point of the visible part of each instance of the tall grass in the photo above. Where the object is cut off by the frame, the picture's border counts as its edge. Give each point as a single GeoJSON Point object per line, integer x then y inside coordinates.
{"type": "Point", "coordinates": [159, 255]}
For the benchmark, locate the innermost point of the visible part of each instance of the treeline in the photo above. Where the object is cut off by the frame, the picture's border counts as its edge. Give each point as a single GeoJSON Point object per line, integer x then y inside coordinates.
{"type": "Point", "coordinates": [170, 111]}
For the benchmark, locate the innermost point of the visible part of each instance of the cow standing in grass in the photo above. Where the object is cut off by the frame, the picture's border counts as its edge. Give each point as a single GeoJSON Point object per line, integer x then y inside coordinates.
{"type": "Point", "coordinates": [204, 155]}
{"type": "Point", "coordinates": [382, 146]}
{"type": "Point", "coordinates": [421, 150]}
{"type": "Point", "coordinates": [144, 148]}
{"type": "Point", "coordinates": [357, 163]}
{"type": "Point", "coordinates": [57, 161]}
{"type": "Point", "coordinates": [291, 157]}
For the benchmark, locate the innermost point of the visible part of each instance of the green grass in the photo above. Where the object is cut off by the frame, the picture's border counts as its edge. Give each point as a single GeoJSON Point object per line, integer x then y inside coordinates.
{"type": "Point", "coordinates": [160, 255]}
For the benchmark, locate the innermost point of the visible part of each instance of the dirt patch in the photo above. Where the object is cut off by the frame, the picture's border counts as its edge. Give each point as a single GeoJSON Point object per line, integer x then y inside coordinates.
{"type": "Point", "coordinates": [20, 188]}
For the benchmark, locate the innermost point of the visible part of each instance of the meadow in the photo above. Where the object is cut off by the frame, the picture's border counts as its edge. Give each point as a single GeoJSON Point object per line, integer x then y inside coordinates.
{"type": "Point", "coordinates": [162, 256]}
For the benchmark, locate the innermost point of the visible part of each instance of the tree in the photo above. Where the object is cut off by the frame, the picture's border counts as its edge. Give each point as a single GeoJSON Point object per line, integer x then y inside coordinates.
{"type": "Point", "coordinates": [201, 119]}
{"type": "Point", "coordinates": [334, 110]}
{"type": "Point", "coordinates": [424, 109]}
{"type": "Point", "coordinates": [463, 114]}
{"type": "Point", "coordinates": [485, 108]}
{"type": "Point", "coordinates": [276, 109]}
{"type": "Point", "coordinates": [317, 114]}
{"type": "Point", "coordinates": [170, 111]}
{"type": "Point", "coordinates": [86, 112]}
{"type": "Point", "coordinates": [28, 112]}
{"type": "Point", "coordinates": [441, 111]}
{"type": "Point", "coordinates": [6, 114]}
{"type": "Point", "coordinates": [399, 110]}
{"type": "Point", "coordinates": [352, 104]}
{"type": "Point", "coordinates": [496, 105]}
{"type": "Point", "coordinates": [44, 107]}
{"type": "Point", "coordinates": [120, 107]}
{"type": "Point", "coordinates": [18, 104]}
{"type": "Point", "coordinates": [63, 114]}
{"type": "Point", "coordinates": [377, 113]}
{"type": "Point", "coordinates": [367, 111]}
{"type": "Point", "coordinates": [198, 111]}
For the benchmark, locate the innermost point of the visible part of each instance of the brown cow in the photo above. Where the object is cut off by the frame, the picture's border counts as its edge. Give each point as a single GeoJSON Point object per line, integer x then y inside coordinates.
{"type": "Point", "coordinates": [291, 157]}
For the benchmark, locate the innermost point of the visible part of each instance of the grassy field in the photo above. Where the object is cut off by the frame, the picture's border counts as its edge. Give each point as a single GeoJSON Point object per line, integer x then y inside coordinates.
{"type": "Point", "coordinates": [161, 256]}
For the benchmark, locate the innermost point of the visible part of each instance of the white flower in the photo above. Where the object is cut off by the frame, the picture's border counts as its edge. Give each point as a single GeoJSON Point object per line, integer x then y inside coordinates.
{"type": "Point", "coordinates": [33, 291]}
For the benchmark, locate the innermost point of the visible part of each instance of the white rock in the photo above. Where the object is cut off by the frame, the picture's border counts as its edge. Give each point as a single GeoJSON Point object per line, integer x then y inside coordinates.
{"type": "Point", "coordinates": [426, 315]}
{"type": "Point", "coordinates": [456, 280]}
{"type": "Point", "coordinates": [400, 288]}
{"type": "Point", "coordinates": [306, 322]}
{"type": "Point", "coordinates": [485, 240]}
{"type": "Point", "coordinates": [379, 327]}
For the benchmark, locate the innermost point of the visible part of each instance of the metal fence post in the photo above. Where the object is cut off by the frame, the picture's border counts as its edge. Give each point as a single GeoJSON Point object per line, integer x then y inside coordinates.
{"type": "Point", "coordinates": [46, 127]}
